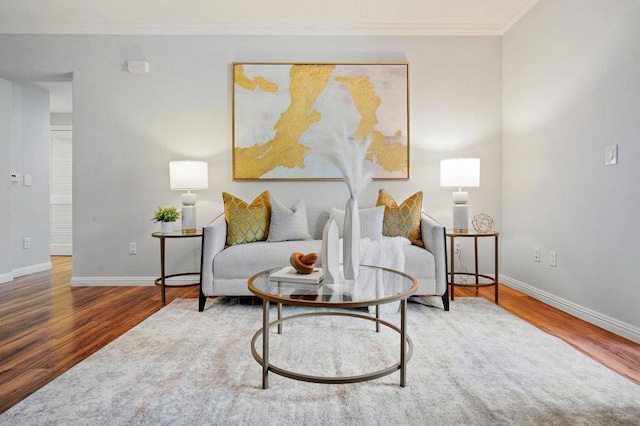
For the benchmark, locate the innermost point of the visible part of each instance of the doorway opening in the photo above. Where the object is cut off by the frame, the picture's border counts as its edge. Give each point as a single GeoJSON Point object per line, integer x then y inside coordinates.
{"type": "Point", "coordinates": [61, 168]}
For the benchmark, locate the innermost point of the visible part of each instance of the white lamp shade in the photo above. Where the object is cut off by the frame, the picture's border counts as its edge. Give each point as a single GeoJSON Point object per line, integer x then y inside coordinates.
{"type": "Point", "coordinates": [188, 175]}
{"type": "Point", "coordinates": [460, 172]}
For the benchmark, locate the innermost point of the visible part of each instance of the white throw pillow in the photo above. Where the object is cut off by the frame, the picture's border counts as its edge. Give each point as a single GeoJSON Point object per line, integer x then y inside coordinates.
{"type": "Point", "coordinates": [288, 224]}
{"type": "Point", "coordinates": [370, 222]}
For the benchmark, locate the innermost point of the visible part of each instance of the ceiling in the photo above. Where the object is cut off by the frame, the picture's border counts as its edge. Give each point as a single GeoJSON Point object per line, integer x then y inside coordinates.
{"type": "Point", "coordinates": [270, 17]}
{"type": "Point", "coordinates": [253, 17]}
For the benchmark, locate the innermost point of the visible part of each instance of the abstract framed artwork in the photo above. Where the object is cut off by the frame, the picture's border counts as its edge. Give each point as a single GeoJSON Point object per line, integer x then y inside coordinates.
{"type": "Point", "coordinates": [284, 113]}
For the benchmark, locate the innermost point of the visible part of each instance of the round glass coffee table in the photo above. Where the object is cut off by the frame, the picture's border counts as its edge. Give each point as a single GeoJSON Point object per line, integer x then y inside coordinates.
{"type": "Point", "coordinates": [373, 287]}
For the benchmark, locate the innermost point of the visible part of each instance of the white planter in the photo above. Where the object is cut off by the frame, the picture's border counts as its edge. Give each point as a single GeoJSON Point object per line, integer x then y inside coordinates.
{"type": "Point", "coordinates": [166, 227]}
{"type": "Point", "coordinates": [351, 240]}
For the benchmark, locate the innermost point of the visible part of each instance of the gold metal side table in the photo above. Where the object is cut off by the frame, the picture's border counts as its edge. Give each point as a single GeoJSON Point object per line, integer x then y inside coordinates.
{"type": "Point", "coordinates": [476, 283]}
{"type": "Point", "coordinates": [161, 281]}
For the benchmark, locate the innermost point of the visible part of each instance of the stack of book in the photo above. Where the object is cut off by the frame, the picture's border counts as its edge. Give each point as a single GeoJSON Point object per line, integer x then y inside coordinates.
{"type": "Point", "coordinates": [289, 274]}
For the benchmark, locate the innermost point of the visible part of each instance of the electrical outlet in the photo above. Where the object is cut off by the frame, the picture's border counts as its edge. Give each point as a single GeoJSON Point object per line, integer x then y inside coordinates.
{"type": "Point", "coordinates": [26, 243]}
{"type": "Point", "coordinates": [536, 254]}
{"type": "Point", "coordinates": [553, 258]}
{"type": "Point", "coordinates": [456, 248]}
{"type": "Point", "coordinates": [133, 248]}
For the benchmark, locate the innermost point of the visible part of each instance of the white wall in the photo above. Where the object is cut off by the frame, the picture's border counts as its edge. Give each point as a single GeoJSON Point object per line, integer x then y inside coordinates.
{"type": "Point", "coordinates": [30, 152]}
{"type": "Point", "coordinates": [128, 127]}
{"type": "Point", "coordinates": [58, 119]}
{"type": "Point", "coordinates": [5, 181]}
{"type": "Point", "coordinates": [571, 85]}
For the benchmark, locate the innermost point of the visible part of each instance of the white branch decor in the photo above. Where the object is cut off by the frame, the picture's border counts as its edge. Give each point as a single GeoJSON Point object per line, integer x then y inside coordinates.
{"type": "Point", "coordinates": [348, 154]}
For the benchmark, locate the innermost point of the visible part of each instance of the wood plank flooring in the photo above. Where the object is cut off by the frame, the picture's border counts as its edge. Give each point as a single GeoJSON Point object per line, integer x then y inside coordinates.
{"type": "Point", "coordinates": [46, 326]}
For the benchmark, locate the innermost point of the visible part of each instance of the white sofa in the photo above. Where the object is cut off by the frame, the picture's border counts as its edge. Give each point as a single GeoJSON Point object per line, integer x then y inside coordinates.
{"type": "Point", "coordinates": [225, 271]}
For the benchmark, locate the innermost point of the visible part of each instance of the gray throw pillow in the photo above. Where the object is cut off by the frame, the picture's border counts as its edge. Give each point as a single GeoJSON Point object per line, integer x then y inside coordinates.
{"type": "Point", "coordinates": [370, 222]}
{"type": "Point", "coordinates": [288, 224]}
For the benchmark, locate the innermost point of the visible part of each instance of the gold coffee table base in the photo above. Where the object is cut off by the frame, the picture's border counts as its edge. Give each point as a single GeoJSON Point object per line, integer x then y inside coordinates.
{"type": "Point", "coordinates": [405, 357]}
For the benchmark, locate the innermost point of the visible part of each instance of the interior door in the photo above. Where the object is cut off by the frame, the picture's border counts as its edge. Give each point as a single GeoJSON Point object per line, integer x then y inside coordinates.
{"type": "Point", "coordinates": [61, 202]}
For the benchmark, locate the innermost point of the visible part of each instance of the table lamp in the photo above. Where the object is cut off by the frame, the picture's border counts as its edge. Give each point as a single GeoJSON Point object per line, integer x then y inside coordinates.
{"type": "Point", "coordinates": [189, 175]}
{"type": "Point", "coordinates": [460, 172]}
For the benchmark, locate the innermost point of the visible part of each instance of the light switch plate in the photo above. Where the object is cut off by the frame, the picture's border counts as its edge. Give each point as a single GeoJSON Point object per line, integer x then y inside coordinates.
{"type": "Point", "coordinates": [611, 154]}
{"type": "Point", "coordinates": [27, 179]}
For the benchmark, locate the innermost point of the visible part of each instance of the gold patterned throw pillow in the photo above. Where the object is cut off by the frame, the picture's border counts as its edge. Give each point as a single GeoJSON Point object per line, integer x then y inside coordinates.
{"type": "Point", "coordinates": [401, 220]}
{"type": "Point", "coordinates": [247, 222]}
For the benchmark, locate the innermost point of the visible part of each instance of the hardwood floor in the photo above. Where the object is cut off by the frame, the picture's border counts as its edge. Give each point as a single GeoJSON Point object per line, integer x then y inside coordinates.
{"type": "Point", "coordinates": [46, 326]}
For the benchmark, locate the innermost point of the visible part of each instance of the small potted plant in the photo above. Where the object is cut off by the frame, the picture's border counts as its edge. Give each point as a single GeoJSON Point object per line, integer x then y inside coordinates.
{"type": "Point", "coordinates": [166, 216]}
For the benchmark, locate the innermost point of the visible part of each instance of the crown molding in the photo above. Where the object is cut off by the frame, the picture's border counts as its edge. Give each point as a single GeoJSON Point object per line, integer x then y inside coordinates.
{"type": "Point", "coordinates": [458, 29]}
{"type": "Point", "coordinates": [518, 12]}
{"type": "Point", "coordinates": [255, 29]}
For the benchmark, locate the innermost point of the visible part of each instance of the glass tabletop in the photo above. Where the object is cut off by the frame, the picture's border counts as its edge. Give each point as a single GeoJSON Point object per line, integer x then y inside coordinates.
{"type": "Point", "coordinates": [177, 234]}
{"type": "Point", "coordinates": [373, 286]}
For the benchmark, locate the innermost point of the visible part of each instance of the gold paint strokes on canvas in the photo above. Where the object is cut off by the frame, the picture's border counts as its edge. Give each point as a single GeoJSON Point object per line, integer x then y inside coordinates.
{"type": "Point", "coordinates": [243, 81]}
{"type": "Point", "coordinates": [389, 155]}
{"type": "Point", "coordinates": [285, 150]}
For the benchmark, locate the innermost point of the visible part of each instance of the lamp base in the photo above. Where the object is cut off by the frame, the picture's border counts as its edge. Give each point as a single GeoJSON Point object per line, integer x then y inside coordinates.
{"type": "Point", "coordinates": [189, 219]}
{"type": "Point", "coordinates": [460, 218]}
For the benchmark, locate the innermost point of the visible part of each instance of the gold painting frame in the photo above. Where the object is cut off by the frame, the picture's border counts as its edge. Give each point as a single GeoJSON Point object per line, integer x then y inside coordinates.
{"type": "Point", "coordinates": [284, 112]}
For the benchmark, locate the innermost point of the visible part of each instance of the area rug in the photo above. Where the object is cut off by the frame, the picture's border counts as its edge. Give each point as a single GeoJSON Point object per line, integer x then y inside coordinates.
{"type": "Point", "coordinates": [474, 365]}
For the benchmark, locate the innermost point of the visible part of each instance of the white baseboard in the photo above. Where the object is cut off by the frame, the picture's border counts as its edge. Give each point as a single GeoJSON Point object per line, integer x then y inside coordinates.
{"type": "Point", "coordinates": [61, 250]}
{"type": "Point", "coordinates": [31, 269]}
{"type": "Point", "coordinates": [127, 281]}
{"type": "Point", "coordinates": [5, 278]}
{"type": "Point", "coordinates": [613, 325]}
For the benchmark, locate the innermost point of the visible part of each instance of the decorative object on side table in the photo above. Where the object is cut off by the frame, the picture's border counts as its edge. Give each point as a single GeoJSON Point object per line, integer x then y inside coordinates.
{"type": "Point", "coordinates": [460, 172]}
{"type": "Point", "coordinates": [167, 217]}
{"type": "Point", "coordinates": [348, 154]}
{"type": "Point", "coordinates": [189, 175]}
{"type": "Point", "coordinates": [303, 263]}
{"type": "Point", "coordinates": [482, 223]}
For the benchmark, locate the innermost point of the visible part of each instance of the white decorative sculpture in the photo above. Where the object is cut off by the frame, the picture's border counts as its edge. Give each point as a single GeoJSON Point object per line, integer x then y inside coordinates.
{"type": "Point", "coordinates": [330, 253]}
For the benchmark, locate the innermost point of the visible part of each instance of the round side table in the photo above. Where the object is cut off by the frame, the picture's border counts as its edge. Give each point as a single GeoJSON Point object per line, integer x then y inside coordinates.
{"type": "Point", "coordinates": [161, 281]}
{"type": "Point", "coordinates": [493, 281]}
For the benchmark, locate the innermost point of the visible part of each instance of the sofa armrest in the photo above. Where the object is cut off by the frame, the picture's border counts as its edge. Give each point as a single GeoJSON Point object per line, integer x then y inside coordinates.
{"type": "Point", "coordinates": [434, 239]}
{"type": "Point", "coordinates": [214, 237]}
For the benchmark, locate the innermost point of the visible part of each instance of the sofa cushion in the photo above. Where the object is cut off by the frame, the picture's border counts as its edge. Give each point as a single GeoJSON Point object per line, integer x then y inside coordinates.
{"type": "Point", "coordinates": [316, 217]}
{"type": "Point", "coordinates": [402, 220]}
{"type": "Point", "coordinates": [246, 223]}
{"type": "Point", "coordinates": [244, 260]}
{"type": "Point", "coordinates": [288, 224]}
{"type": "Point", "coordinates": [370, 222]}
{"type": "Point", "coordinates": [232, 269]}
